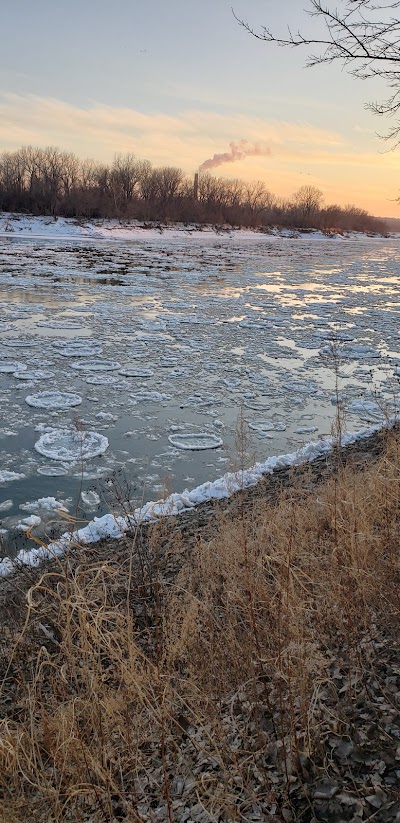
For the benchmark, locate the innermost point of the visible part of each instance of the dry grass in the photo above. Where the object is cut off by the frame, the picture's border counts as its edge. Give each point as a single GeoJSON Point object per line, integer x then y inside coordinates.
{"type": "Point", "coordinates": [123, 678]}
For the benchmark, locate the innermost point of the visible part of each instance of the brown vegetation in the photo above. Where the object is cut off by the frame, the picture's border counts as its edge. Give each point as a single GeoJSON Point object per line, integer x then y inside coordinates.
{"type": "Point", "coordinates": [50, 181]}
{"type": "Point", "coordinates": [247, 673]}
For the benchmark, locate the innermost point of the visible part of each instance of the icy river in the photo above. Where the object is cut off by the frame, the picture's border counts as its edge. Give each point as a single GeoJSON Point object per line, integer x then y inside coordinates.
{"type": "Point", "coordinates": [126, 363]}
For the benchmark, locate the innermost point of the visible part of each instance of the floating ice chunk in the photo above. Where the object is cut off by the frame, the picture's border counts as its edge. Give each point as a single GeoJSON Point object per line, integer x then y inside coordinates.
{"type": "Point", "coordinates": [29, 522]}
{"type": "Point", "coordinates": [90, 499]}
{"type": "Point", "coordinates": [10, 366]}
{"type": "Point", "coordinates": [134, 371]}
{"type": "Point", "coordinates": [96, 365]}
{"type": "Point", "coordinates": [19, 344]}
{"type": "Point", "coordinates": [263, 426]}
{"type": "Point", "coordinates": [149, 396]}
{"type": "Point", "coordinates": [153, 325]}
{"type": "Point", "coordinates": [177, 372]}
{"type": "Point", "coordinates": [52, 471]}
{"type": "Point", "coordinates": [168, 362]}
{"type": "Point", "coordinates": [53, 400]}
{"type": "Point", "coordinates": [35, 374]}
{"type": "Point", "coordinates": [200, 401]}
{"type": "Point", "coordinates": [195, 441]}
{"type": "Point", "coordinates": [80, 351]}
{"type": "Point", "coordinates": [306, 429]}
{"type": "Point", "coordinates": [60, 324]}
{"type": "Point", "coordinates": [101, 379]}
{"type": "Point", "coordinates": [6, 505]}
{"type": "Point", "coordinates": [107, 417]}
{"type": "Point", "coordinates": [8, 477]}
{"type": "Point", "coordinates": [66, 342]}
{"type": "Point", "coordinates": [354, 351]}
{"type": "Point", "coordinates": [257, 403]}
{"type": "Point", "coordinates": [232, 382]}
{"type": "Point", "coordinates": [152, 338]}
{"type": "Point", "coordinates": [366, 409]}
{"type": "Point", "coordinates": [301, 386]}
{"type": "Point", "coordinates": [66, 444]}
{"type": "Point", "coordinates": [48, 504]}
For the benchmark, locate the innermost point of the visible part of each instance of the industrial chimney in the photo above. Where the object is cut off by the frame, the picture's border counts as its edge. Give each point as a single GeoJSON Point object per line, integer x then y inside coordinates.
{"type": "Point", "coordinates": [196, 186]}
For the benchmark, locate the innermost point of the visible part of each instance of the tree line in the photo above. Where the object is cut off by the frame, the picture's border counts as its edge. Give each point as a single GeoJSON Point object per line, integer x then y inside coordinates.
{"type": "Point", "coordinates": [48, 181]}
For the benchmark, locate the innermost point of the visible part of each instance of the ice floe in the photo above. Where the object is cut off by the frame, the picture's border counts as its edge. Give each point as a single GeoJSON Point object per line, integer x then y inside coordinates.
{"type": "Point", "coordinates": [11, 366]}
{"type": "Point", "coordinates": [52, 471]}
{"type": "Point", "coordinates": [6, 505]}
{"type": "Point", "coordinates": [133, 371]}
{"type": "Point", "coordinates": [90, 499]}
{"type": "Point", "coordinates": [195, 441]}
{"type": "Point", "coordinates": [29, 522]}
{"type": "Point", "coordinates": [47, 504]}
{"type": "Point", "coordinates": [96, 365]}
{"type": "Point", "coordinates": [34, 374]}
{"type": "Point", "coordinates": [149, 396]}
{"type": "Point", "coordinates": [267, 425]}
{"type": "Point", "coordinates": [18, 343]}
{"type": "Point", "coordinates": [101, 379]}
{"type": "Point", "coordinates": [53, 400]}
{"type": "Point", "coordinates": [367, 410]}
{"type": "Point", "coordinates": [67, 444]}
{"type": "Point", "coordinates": [8, 476]}
{"type": "Point", "coordinates": [80, 351]}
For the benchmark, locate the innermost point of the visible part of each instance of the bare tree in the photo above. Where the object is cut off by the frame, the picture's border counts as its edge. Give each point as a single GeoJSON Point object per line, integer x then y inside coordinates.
{"type": "Point", "coordinates": [258, 198]}
{"type": "Point", "coordinates": [51, 181]}
{"type": "Point", "coordinates": [362, 35]}
{"type": "Point", "coordinates": [308, 199]}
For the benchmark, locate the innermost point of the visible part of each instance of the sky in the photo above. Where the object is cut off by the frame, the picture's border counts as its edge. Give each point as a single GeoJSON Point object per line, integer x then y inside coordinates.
{"type": "Point", "coordinates": [177, 81]}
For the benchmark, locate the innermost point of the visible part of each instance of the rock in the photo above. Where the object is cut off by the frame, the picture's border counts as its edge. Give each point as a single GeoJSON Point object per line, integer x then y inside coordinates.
{"type": "Point", "coordinates": [325, 790]}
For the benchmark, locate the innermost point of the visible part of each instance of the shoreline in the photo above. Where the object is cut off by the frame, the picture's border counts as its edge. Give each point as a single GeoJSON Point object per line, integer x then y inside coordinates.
{"type": "Point", "coordinates": [42, 227]}
{"type": "Point", "coordinates": [264, 481]}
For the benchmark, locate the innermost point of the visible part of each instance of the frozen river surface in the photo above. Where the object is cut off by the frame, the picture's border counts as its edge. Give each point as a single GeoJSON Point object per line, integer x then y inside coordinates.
{"type": "Point", "coordinates": [124, 365]}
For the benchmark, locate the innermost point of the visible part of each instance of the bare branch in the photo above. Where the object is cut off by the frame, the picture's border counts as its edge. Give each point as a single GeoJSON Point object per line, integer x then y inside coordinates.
{"type": "Point", "coordinates": [362, 35]}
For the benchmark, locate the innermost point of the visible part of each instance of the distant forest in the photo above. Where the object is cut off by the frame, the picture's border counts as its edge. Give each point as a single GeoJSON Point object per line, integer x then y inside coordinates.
{"type": "Point", "coordinates": [53, 182]}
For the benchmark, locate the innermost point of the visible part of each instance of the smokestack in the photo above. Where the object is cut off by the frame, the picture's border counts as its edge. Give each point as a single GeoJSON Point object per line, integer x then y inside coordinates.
{"type": "Point", "coordinates": [196, 186]}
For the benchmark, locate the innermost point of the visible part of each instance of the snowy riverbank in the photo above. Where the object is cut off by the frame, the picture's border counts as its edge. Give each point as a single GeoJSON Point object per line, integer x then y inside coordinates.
{"type": "Point", "coordinates": [57, 228]}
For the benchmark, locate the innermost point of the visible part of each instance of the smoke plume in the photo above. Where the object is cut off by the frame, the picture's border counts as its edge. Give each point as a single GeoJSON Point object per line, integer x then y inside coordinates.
{"type": "Point", "coordinates": [238, 151]}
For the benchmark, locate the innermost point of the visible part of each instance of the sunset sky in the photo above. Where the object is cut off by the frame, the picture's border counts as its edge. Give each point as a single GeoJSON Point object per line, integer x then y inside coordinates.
{"type": "Point", "coordinates": [175, 81]}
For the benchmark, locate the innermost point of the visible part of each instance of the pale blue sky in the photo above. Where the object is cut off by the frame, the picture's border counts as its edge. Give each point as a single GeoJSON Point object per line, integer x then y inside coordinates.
{"type": "Point", "coordinates": [176, 80]}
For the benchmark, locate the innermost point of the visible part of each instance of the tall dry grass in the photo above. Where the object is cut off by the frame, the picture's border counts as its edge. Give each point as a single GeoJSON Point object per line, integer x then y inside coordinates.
{"type": "Point", "coordinates": [131, 675]}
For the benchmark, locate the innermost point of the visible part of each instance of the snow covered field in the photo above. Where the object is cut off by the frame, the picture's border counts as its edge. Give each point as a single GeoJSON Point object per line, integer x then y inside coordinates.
{"type": "Point", "coordinates": [127, 355]}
